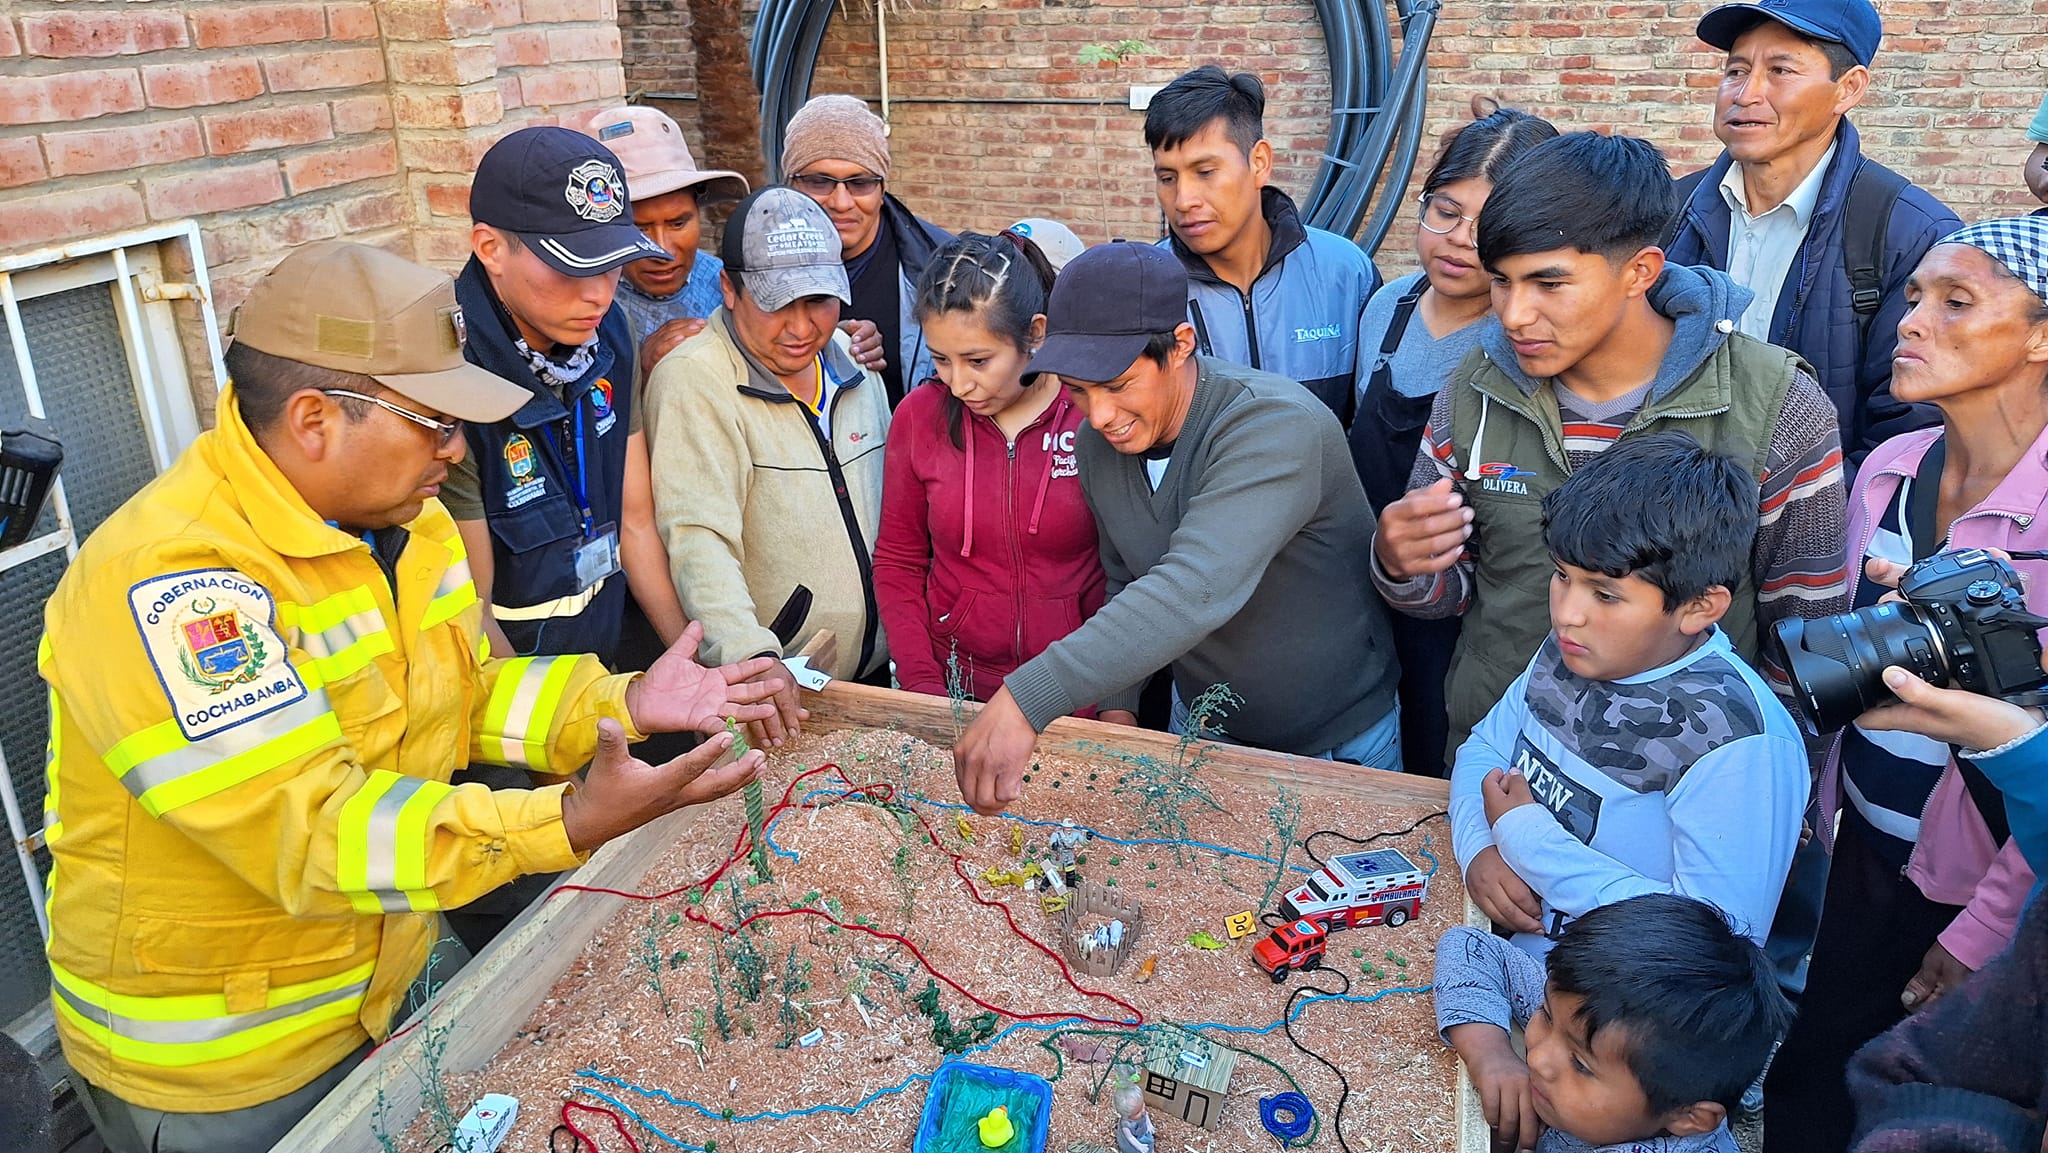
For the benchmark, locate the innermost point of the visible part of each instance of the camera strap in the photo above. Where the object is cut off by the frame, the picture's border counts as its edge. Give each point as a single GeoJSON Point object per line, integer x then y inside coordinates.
{"type": "Point", "coordinates": [1920, 514]}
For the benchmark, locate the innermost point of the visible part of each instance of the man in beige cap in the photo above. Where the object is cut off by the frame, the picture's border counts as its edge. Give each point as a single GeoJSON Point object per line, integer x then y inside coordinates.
{"type": "Point", "coordinates": [837, 152]}
{"type": "Point", "coordinates": [263, 669]}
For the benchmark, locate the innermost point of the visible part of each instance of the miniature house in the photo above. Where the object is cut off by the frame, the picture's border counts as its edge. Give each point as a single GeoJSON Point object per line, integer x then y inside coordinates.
{"type": "Point", "coordinates": [1187, 1075]}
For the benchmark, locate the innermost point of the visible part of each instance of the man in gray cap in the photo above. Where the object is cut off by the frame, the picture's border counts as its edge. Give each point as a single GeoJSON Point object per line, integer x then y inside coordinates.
{"type": "Point", "coordinates": [263, 673]}
{"type": "Point", "coordinates": [767, 438]}
{"type": "Point", "coordinates": [1235, 536]}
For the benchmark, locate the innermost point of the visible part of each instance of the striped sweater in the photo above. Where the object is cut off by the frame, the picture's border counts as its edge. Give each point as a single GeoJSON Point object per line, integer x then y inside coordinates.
{"type": "Point", "coordinates": [1797, 561]}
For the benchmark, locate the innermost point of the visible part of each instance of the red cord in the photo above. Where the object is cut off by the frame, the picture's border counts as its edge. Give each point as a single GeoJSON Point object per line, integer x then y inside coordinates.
{"type": "Point", "coordinates": [882, 792]}
{"type": "Point", "coordinates": [583, 1139]}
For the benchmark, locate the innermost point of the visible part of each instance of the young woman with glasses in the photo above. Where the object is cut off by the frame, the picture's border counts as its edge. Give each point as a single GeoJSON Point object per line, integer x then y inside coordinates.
{"type": "Point", "coordinates": [1421, 325]}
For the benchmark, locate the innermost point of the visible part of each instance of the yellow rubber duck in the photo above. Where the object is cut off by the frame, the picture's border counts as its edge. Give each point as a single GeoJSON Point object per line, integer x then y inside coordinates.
{"type": "Point", "coordinates": [996, 1130]}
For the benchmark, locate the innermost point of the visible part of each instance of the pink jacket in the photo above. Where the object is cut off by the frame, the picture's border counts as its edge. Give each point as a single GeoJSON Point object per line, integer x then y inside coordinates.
{"type": "Point", "coordinates": [1955, 861]}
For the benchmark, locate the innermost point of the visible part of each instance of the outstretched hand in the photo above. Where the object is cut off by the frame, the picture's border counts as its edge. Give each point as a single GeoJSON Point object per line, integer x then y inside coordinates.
{"type": "Point", "coordinates": [990, 757]}
{"type": "Point", "coordinates": [621, 792]}
{"type": "Point", "coordinates": [679, 695]}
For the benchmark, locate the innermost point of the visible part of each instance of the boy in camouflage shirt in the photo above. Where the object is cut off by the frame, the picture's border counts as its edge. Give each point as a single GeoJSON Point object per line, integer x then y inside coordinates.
{"type": "Point", "coordinates": [1637, 753]}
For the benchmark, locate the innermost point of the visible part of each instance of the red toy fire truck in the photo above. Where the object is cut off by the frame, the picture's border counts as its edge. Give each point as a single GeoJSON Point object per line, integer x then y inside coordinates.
{"type": "Point", "coordinates": [1368, 888]}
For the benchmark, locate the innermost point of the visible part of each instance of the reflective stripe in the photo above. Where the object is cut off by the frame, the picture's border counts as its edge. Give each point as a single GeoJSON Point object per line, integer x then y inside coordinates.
{"type": "Point", "coordinates": [341, 634]}
{"type": "Point", "coordinates": [521, 712]}
{"type": "Point", "coordinates": [53, 826]}
{"type": "Point", "coordinates": [568, 606]}
{"type": "Point", "coordinates": [192, 1029]}
{"type": "Point", "coordinates": [450, 597]}
{"type": "Point", "coordinates": [381, 844]}
{"type": "Point", "coordinates": [164, 770]}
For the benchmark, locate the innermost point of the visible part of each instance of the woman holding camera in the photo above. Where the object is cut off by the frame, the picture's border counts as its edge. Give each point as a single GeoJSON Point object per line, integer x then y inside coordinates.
{"type": "Point", "coordinates": [1926, 884]}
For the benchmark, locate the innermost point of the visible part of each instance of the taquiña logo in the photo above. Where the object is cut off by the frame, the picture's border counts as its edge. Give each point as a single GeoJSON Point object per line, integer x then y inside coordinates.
{"type": "Point", "coordinates": [1320, 332]}
{"type": "Point", "coordinates": [594, 193]}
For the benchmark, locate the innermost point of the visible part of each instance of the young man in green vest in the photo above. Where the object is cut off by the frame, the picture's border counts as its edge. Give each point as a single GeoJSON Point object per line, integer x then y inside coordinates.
{"type": "Point", "coordinates": [1595, 339]}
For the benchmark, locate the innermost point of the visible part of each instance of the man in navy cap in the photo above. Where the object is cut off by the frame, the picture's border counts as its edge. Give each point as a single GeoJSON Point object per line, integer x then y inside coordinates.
{"type": "Point", "coordinates": [1234, 532]}
{"type": "Point", "coordinates": [554, 503]}
{"type": "Point", "coordinates": [1792, 210]}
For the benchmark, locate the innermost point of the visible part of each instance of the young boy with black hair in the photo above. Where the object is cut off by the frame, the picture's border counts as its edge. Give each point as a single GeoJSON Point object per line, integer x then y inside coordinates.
{"type": "Point", "coordinates": [1644, 1026]}
{"type": "Point", "coordinates": [1264, 289]}
{"type": "Point", "coordinates": [1637, 753]}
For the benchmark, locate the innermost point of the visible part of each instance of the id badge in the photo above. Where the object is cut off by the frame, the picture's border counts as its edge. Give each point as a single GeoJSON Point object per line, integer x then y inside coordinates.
{"type": "Point", "coordinates": [598, 557]}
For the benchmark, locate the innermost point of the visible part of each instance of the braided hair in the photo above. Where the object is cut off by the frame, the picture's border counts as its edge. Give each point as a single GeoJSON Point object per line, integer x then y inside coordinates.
{"type": "Point", "coordinates": [1003, 279]}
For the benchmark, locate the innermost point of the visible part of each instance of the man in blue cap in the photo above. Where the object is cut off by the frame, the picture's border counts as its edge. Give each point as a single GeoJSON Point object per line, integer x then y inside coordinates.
{"type": "Point", "coordinates": [1234, 533]}
{"type": "Point", "coordinates": [1794, 211]}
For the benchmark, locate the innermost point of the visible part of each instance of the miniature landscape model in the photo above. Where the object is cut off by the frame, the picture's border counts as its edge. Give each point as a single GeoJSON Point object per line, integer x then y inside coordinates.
{"type": "Point", "coordinates": [850, 959]}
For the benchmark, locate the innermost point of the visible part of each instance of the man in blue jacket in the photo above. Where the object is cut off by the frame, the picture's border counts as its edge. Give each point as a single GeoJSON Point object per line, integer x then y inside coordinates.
{"type": "Point", "coordinates": [1779, 210]}
{"type": "Point", "coordinates": [1264, 289]}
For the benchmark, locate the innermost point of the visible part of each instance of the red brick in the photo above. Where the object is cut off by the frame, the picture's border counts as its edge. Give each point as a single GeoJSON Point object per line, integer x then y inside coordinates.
{"type": "Point", "coordinates": [362, 114]}
{"type": "Point", "coordinates": [21, 162]}
{"type": "Point", "coordinates": [246, 24]}
{"type": "Point", "coordinates": [341, 166]}
{"type": "Point", "coordinates": [38, 220]}
{"type": "Point", "coordinates": [10, 44]}
{"type": "Point", "coordinates": [351, 22]}
{"type": "Point", "coordinates": [600, 43]}
{"type": "Point", "coordinates": [429, 108]}
{"type": "Point", "coordinates": [68, 96]}
{"type": "Point", "coordinates": [264, 128]}
{"type": "Point", "coordinates": [562, 11]}
{"type": "Point", "coordinates": [426, 152]}
{"type": "Point", "coordinates": [508, 93]}
{"type": "Point", "coordinates": [522, 49]}
{"type": "Point", "coordinates": [67, 34]}
{"type": "Point", "coordinates": [216, 190]}
{"type": "Point", "coordinates": [559, 86]}
{"type": "Point", "coordinates": [285, 227]}
{"type": "Point", "coordinates": [436, 19]}
{"type": "Point", "coordinates": [211, 82]}
{"type": "Point", "coordinates": [331, 68]}
{"type": "Point", "coordinates": [377, 210]}
{"type": "Point", "coordinates": [448, 198]}
{"type": "Point", "coordinates": [116, 149]}
{"type": "Point", "coordinates": [505, 13]}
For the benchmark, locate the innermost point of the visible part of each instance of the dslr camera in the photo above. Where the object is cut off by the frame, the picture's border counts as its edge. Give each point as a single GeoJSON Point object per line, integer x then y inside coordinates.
{"type": "Point", "coordinates": [1963, 624]}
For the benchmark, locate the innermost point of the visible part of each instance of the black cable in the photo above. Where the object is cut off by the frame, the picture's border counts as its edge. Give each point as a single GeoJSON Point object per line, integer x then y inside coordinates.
{"type": "Point", "coordinates": [1377, 106]}
{"type": "Point", "coordinates": [1287, 1026]}
{"type": "Point", "coordinates": [1348, 838]}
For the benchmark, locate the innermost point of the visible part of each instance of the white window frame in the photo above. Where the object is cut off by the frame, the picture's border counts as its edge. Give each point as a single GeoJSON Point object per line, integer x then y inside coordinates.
{"type": "Point", "coordinates": [132, 262]}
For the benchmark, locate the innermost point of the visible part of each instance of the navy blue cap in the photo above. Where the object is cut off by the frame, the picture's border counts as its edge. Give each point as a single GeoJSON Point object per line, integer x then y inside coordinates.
{"type": "Point", "coordinates": [1106, 306]}
{"type": "Point", "coordinates": [1853, 24]}
{"type": "Point", "coordinates": [564, 195]}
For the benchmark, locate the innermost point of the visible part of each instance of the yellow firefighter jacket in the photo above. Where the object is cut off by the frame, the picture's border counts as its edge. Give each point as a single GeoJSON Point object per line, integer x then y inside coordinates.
{"type": "Point", "coordinates": [249, 812]}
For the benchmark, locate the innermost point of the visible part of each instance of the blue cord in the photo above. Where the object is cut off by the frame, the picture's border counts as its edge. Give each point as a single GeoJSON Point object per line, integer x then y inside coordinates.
{"type": "Point", "coordinates": [1287, 1116]}
{"type": "Point", "coordinates": [642, 1121]}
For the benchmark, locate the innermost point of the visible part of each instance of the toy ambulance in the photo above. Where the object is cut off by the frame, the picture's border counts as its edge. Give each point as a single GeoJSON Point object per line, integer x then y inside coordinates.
{"type": "Point", "coordinates": [1381, 885]}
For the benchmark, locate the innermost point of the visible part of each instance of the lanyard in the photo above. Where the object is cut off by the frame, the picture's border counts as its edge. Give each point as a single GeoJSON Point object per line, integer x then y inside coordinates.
{"type": "Point", "coordinates": [570, 446]}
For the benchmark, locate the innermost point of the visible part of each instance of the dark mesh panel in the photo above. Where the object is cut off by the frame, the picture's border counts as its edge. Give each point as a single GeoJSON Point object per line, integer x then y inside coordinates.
{"type": "Point", "coordinates": [89, 397]}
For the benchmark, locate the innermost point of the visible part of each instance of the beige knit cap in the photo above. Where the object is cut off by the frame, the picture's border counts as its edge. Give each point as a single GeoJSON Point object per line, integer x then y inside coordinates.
{"type": "Point", "coordinates": [835, 127]}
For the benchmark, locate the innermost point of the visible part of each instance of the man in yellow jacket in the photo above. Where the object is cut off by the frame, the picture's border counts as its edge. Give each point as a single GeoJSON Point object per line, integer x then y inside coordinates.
{"type": "Point", "coordinates": [263, 670]}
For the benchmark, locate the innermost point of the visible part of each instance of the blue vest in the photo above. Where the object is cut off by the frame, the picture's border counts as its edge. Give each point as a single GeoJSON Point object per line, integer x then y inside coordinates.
{"type": "Point", "coordinates": [532, 473]}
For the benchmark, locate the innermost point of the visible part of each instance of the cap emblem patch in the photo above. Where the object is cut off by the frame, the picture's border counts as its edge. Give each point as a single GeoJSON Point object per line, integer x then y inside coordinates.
{"type": "Point", "coordinates": [594, 192]}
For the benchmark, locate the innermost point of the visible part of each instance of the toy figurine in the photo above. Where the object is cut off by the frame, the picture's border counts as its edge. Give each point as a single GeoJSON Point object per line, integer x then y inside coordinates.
{"type": "Point", "coordinates": [1133, 1127]}
{"type": "Point", "coordinates": [1065, 843]}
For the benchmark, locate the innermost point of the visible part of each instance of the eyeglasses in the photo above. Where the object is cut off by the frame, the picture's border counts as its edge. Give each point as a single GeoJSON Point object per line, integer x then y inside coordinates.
{"type": "Point", "coordinates": [445, 430]}
{"type": "Point", "coordinates": [818, 186]}
{"type": "Point", "coordinates": [1441, 216]}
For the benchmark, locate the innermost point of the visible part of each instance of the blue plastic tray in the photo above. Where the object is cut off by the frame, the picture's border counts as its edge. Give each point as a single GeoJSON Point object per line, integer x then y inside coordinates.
{"type": "Point", "coordinates": [1029, 1139]}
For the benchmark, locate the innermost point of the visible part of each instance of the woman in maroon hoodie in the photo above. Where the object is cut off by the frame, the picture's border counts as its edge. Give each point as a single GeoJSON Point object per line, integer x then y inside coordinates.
{"type": "Point", "coordinates": [987, 552]}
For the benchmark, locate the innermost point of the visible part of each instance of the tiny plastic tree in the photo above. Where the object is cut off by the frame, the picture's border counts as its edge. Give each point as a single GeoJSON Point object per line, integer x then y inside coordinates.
{"type": "Point", "coordinates": [1286, 818]}
{"type": "Point", "coordinates": [757, 804]}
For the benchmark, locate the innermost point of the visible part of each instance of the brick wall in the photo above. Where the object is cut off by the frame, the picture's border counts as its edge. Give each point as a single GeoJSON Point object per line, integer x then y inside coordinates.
{"type": "Point", "coordinates": [276, 124]}
{"type": "Point", "coordinates": [1956, 82]}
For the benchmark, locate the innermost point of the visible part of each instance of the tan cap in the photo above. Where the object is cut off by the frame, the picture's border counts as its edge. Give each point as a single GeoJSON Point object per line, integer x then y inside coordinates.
{"type": "Point", "coordinates": [655, 156]}
{"type": "Point", "coordinates": [354, 308]}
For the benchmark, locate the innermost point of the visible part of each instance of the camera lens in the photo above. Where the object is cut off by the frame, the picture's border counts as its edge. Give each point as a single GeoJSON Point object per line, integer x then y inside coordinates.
{"type": "Point", "coordinates": [1837, 663]}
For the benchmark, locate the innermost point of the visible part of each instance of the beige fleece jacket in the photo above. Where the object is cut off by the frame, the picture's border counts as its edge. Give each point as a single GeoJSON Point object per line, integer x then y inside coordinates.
{"type": "Point", "coordinates": [744, 496]}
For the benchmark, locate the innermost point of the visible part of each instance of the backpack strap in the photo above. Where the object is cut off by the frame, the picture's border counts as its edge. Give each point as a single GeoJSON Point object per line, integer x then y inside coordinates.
{"type": "Point", "coordinates": [1866, 216]}
{"type": "Point", "coordinates": [1685, 186]}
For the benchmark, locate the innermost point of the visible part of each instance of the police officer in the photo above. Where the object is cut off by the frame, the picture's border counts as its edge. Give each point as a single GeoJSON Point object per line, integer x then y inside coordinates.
{"type": "Point", "coordinates": [263, 672]}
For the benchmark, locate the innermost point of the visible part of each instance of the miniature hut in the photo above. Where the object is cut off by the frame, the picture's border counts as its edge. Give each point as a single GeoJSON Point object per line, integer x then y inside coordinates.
{"type": "Point", "coordinates": [1187, 1075]}
{"type": "Point", "coordinates": [1090, 899]}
